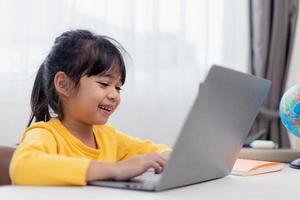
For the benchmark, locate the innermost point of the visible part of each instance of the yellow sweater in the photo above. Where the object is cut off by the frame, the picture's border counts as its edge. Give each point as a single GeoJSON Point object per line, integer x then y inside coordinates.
{"type": "Point", "coordinates": [50, 155]}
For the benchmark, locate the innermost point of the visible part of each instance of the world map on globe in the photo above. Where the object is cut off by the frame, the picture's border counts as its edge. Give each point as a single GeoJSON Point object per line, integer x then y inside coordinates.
{"type": "Point", "coordinates": [289, 110]}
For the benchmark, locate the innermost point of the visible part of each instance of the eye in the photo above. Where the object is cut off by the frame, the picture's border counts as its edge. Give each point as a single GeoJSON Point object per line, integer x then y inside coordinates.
{"type": "Point", "coordinates": [103, 84]}
{"type": "Point", "coordinates": [119, 89]}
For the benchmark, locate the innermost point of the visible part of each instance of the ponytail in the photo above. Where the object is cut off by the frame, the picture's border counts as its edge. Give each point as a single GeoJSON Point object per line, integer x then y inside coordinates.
{"type": "Point", "coordinates": [39, 99]}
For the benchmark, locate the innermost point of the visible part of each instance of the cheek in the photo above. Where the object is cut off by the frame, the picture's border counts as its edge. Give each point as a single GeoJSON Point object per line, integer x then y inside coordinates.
{"type": "Point", "coordinates": [85, 99]}
{"type": "Point", "coordinates": [118, 100]}
{"type": "Point", "coordinates": [90, 99]}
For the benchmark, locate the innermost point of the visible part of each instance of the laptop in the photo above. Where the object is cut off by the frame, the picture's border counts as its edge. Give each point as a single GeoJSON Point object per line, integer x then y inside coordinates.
{"type": "Point", "coordinates": [212, 135]}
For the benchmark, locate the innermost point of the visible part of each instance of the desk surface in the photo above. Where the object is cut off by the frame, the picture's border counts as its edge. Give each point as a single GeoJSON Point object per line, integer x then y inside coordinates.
{"type": "Point", "coordinates": [279, 185]}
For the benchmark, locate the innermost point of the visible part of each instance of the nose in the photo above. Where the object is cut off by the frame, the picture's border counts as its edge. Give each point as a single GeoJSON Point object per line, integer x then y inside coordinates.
{"type": "Point", "coordinates": [113, 95]}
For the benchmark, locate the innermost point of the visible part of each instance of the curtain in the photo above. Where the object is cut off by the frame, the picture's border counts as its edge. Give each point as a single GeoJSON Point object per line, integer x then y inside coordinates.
{"type": "Point", "coordinates": [272, 33]}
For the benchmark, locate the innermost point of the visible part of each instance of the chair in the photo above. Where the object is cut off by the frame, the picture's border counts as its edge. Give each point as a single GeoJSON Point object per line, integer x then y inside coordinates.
{"type": "Point", "coordinates": [5, 157]}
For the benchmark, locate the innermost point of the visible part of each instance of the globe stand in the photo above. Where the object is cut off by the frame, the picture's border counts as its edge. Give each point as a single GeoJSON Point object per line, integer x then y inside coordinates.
{"type": "Point", "coordinates": [295, 164]}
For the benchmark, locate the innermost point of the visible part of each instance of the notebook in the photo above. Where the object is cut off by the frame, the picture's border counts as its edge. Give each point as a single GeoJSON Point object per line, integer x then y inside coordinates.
{"type": "Point", "coordinates": [245, 167]}
{"type": "Point", "coordinates": [212, 134]}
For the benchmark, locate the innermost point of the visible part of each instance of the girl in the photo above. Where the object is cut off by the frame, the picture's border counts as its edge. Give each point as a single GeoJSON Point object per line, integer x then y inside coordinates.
{"type": "Point", "coordinates": [76, 90]}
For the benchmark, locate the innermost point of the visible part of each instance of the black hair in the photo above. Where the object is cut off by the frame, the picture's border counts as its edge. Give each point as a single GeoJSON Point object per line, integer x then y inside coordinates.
{"type": "Point", "coordinates": [76, 53]}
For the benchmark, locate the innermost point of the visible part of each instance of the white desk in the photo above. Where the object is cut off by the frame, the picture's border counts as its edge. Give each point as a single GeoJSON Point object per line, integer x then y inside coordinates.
{"type": "Point", "coordinates": [279, 185]}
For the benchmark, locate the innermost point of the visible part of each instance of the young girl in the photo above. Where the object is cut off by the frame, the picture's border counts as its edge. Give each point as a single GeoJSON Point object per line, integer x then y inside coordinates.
{"type": "Point", "coordinates": [76, 90]}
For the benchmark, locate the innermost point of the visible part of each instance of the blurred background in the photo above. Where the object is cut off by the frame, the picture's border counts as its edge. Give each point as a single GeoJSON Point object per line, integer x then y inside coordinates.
{"type": "Point", "coordinates": [171, 45]}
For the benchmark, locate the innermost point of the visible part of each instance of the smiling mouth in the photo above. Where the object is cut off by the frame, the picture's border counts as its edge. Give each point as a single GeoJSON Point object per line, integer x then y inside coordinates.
{"type": "Point", "coordinates": [105, 108]}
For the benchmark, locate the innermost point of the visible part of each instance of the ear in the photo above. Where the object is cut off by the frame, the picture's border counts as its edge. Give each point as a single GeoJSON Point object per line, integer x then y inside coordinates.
{"type": "Point", "coordinates": [63, 84]}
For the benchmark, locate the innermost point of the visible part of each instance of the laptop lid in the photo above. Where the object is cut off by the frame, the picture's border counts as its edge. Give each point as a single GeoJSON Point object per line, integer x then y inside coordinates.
{"type": "Point", "coordinates": [216, 127]}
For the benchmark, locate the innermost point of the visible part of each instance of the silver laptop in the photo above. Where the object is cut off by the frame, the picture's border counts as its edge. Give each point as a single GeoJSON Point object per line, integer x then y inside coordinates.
{"type": "Point", "coordinates": [212, 134]}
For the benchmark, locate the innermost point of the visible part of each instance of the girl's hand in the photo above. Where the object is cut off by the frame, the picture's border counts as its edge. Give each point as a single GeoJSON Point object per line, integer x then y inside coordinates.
{"type": "Point", "coordinates": [166, 155]}
{"type": "Point", "coordinates": [127, 169]}
{"type": "Point", "coordinates": [135, 166]}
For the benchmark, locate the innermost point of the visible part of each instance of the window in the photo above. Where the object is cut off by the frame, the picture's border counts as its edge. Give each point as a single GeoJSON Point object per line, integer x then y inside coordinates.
{"type": "Point", "coordinates": [171, 43]}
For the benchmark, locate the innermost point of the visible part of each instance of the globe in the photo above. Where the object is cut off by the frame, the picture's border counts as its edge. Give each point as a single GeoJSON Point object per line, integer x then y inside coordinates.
{"type": "Point", "coordinates": [289, 110]}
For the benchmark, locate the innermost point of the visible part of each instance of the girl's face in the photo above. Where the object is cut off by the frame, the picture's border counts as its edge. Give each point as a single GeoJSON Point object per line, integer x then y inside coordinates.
{"type": "Point", "coordinates": [96, 98]}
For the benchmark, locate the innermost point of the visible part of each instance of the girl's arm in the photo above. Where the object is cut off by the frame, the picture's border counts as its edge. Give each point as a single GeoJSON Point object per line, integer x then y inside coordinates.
{"type": "Point", "coordinates": [129, 146]}
{"type": "Point", "coordinates": [35, 162]}
{"type": "Point", "coordinates": [137, 156]}
{"type": "Point", "coordinates": [127, 169]}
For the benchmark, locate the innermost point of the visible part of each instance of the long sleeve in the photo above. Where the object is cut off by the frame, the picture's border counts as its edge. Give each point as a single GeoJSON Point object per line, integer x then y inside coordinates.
{"type": "Point", "coordinates": [130, 146]}
{"type": "Point", "coordinates": [50, 155]}
{"type": "Point", "coordinates": [36, 162]}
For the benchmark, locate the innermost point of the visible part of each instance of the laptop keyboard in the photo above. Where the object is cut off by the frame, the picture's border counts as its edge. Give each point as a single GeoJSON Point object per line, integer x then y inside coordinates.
{"type": "Point", "coordinates": [149, 177]}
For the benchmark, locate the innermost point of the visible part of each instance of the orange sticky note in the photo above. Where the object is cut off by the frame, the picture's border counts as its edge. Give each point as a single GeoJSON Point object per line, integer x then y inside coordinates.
{"type": "Point", "coordinates": [245, 167]}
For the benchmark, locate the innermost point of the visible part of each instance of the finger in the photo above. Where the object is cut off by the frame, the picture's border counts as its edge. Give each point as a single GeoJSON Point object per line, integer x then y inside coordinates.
{"type": "Point", "coordinates": [161, 162]}
{"type": "Point", "coordinates": [150, 170]}
{"type": "Point", "coordinates": [161, 168]}
{"type": "Point", "coordinates": [157, 168]}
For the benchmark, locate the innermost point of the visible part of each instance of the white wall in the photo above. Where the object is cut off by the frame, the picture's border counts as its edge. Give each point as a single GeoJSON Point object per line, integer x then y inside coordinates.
{"type": "Point", "coordinates": [14, 106]}
{"type": "Point", "coordinates": [171, 50]}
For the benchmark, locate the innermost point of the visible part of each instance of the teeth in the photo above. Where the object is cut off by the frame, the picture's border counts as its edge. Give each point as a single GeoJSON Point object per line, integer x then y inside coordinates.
{"type": "Point", "coordinates": [105, 108]}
